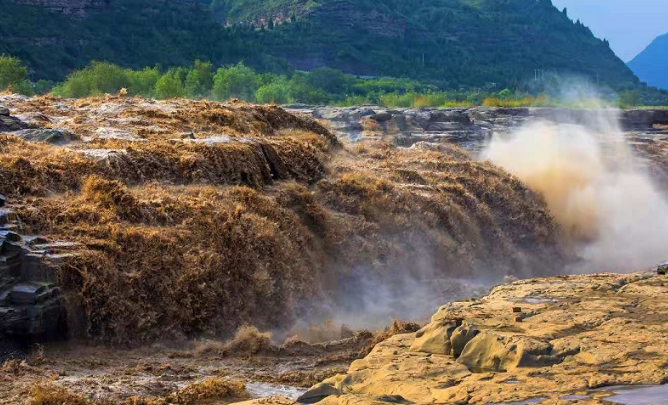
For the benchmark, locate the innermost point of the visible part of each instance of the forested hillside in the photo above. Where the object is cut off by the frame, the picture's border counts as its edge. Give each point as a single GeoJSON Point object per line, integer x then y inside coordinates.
{"type": "Point", "coordinates": [451, 43]}
{"type": "Point", "coordinates": [455, 42]}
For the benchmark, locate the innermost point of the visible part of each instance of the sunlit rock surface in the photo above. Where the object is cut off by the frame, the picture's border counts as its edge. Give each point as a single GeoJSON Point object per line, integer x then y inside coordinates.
{"type": "Point", "coordinates": [548, 341]}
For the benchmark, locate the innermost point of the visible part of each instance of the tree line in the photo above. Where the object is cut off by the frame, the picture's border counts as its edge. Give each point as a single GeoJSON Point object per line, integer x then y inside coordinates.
{"type": "Point", "coordinates": [202, 80]}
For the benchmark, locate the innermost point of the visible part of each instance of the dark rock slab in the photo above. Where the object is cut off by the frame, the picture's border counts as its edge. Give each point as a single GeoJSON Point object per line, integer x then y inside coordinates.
{"type": "Point", "coordinates": [46, 135]}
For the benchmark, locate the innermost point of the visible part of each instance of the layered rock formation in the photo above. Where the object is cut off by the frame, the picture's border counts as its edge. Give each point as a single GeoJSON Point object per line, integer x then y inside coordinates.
{"type": "Point", "coordinates": [543, 341]}
{"type": "Point", "coordinates": [76, 8]}
{"type": "Point", "coordinates": [466, 126]}
{"type": "Point", "coordinates": [31, 305]}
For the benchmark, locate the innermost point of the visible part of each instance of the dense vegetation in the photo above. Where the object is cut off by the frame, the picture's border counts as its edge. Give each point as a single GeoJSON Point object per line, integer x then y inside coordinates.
{"type": "Point", "coordinates": [320, 86]}
{"type": "Point", "coordinates": [394, 53]}
{"type": "Point", "coordinates": [651, 65]}
{"type": "Point", "coordinates": [450, 43]}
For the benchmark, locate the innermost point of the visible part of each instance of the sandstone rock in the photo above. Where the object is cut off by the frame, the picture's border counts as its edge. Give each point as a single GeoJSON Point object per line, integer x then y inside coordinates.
{"type": "Point", "coordinates": [435, 338]}
{"type": "Point", "coordinates": [490, 351]}
{"type": "Point", "coordinates": [317, 393]}
{"type": "Point", "coordinates": [461, 337]}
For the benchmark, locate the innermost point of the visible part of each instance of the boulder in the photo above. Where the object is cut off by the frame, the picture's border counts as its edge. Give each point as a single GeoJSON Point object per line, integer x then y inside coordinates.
{"type": "Point", "coordinates": [317, 393]}
{"type": "Point", "coordinates": [4, 111]}
{"type": "Point", "coordinates": [10, 124]}
{"type": "Point", "coordinates": [46, 135]}
{"type": "Point", "coordinates": [490, 351]}
{"type": "Point", "coordinates": [458, 116]}
{"type": "Point", "coordinates": [435, 338]}
{"type": "Point", "coordinates": [422, 118]}
{"type": "Point", "coordinates": [381, 116]}
{"type": "Point", "coordinates": [461, 337]}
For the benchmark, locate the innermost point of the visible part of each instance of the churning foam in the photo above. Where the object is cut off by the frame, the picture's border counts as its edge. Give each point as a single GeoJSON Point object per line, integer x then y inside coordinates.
{"type": "Point", "coordinates": [607, 204]}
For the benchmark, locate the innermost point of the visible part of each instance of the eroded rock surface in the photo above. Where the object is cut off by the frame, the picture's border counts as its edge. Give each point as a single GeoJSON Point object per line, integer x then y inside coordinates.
{"type": "Point", "coordinates": [469, 126]}
{"type": "Point", "coordinates": [571, 337]}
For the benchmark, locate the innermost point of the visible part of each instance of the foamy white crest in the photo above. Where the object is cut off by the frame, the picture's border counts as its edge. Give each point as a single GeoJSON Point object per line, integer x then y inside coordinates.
{"type": "Point", "coordinates": [607, 204]}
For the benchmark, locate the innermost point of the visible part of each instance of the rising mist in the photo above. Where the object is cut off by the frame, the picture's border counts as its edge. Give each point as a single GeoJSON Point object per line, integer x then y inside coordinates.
{"type": "Point", "coordinates": [613, 214]}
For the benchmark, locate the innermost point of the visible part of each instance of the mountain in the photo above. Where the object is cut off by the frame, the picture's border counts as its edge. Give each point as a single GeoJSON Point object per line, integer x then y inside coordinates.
{"type": "Point", "coordinates": [453, 43]}
{"type": "Point", "coordinates": [651, 65]}
{"type": "Point", "coordinates": [457, 42]}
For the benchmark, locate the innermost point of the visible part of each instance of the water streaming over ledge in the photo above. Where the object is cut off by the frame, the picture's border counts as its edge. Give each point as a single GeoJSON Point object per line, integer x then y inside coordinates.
{"type": "Point", "coordinates": [265, 390]}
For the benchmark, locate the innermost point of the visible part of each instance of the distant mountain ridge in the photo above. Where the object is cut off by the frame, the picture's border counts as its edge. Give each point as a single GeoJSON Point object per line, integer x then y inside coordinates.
{"type": "Point", "coordinates": [452, 43]}
{"type": "Point", "coordinates": [651, 65]}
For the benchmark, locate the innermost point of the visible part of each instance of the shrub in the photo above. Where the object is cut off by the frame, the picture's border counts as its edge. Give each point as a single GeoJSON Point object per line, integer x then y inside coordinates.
{"type": "Point", "coordinates": [170, 86]}
{"type": "Point", "coordinates": [12, 72]}
{"type": "Point", "coordinates": [277, 92]}
{"type": "Point", "coordinates": [96, 79]}
{"type": "Point", "coordinates": [237, 81]}
{"type": "Point", "coordinates": [143, 81]}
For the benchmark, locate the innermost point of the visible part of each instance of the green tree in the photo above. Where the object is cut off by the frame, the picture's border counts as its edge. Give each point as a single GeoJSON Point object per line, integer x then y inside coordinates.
{"type": "Point", "coordinates": [237, 81]}
{"type": "Point", "coordinates": [199, 79]}
{"type": "Point", "coordinates": [170, 85]}
{"type": "Point", "coordinates": [276, 92]}
{"type": "Point", "coordinates": [505, 94]}
{"type": "Point", "coordinates": [12, 72]}
{"type": "Point", "coordinates": [142, 82]}
{"type": "Point", "coordinates": [96, 79]}
{"type": "Point", "coordinates": [329, 80]}
{"type": "Point", "coordinates": [628, 98]}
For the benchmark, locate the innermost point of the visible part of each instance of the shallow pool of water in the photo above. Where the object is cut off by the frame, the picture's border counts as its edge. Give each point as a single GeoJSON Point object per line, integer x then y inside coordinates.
{"type": "Point", "coordinates": [574, 397]}
{"type": "Point", "coordinates": [527, 402]}
{"type": "Point", "coordinates": [264, 390]}
{"type": "Point", "coordinates": [650, 395]}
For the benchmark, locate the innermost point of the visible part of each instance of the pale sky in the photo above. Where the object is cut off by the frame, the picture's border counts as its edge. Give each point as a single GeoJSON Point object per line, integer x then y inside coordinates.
{"type": "Point", "coordinates": [629, 25]}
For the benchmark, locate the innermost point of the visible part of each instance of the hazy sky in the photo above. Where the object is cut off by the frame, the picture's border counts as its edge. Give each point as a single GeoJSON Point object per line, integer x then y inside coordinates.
{"type": "Point", "coordinates": [629, 25]}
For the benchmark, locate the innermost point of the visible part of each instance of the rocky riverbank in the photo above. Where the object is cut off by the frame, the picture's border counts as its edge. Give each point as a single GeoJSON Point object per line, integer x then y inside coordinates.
{"type": "Point", "coordinates": [589, 339]}
{"type": "Point", "coordinates": [469, 126]}
{"type": "Point", "coordinates": [168, 227]}
{"type": "Point", "coordinates": [556, 340]}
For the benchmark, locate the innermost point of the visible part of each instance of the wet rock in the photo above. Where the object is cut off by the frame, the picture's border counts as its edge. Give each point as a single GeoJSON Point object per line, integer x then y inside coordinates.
{"type": "Point", "coordinates": [46, 135]}
{"type": "Point", "coordinates": [31, 306]}
{"type": "Point", "coordinates": [4, 111]}
{"type": "Point", "coordinates": [317, 393]}
{"type": "Point", "coordinates": [381, 116]}
{"type": "Point", "coordinates": [662, 269]}
{"type": "Point", "coordinates": [444, 127]}
{"type": "Point", "coordinates": [457, 116]}
{"type": "Point", "coordinates": [11, 124]}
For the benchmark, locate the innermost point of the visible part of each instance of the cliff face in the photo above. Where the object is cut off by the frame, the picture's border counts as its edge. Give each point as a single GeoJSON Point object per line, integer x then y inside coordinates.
{"type": "Point", "coordinates": [76, 8]}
